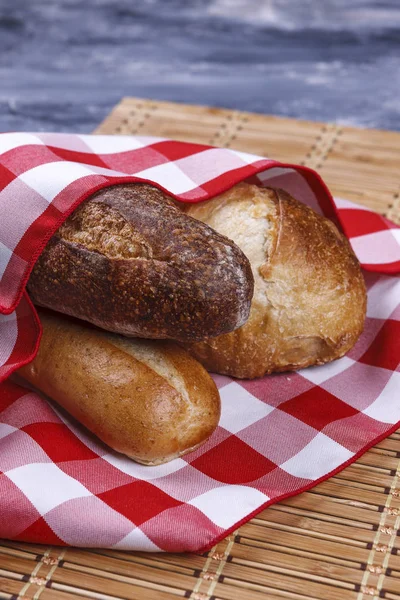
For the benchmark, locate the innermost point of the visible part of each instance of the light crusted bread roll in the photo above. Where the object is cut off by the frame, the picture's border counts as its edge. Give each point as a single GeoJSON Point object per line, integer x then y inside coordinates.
{"type": "Point", "coordinates": [147, 399]}
{"type": "Point", "coordinates": [309, 299]}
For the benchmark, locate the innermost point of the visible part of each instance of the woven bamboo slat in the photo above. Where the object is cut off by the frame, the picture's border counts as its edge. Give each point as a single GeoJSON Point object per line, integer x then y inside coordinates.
{"type": "Point", "coordinates": [338, 541]}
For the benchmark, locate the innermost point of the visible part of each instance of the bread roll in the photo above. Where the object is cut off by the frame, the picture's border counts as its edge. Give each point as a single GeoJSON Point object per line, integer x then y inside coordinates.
{"type": "Point", "coordinates": [149, 400]}
{"type": "Point", "coordinates": [129, 261]}
{"type": "Point", "coordinates": [309, 299]}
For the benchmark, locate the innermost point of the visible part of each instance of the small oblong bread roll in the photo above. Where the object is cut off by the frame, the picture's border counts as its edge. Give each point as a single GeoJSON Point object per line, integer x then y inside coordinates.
{"type": "Point", "coordinates": [309, 300]}
{"type": "Point", "coordinates": [147, 399]}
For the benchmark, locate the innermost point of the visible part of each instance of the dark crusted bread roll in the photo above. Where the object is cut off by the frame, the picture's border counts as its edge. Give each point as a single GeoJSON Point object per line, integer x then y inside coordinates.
{"type": "Point", "coordinates": [130, 261]}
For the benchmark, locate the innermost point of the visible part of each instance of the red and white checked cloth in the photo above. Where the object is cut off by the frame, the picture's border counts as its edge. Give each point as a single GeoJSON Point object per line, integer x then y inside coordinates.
{"type": "Point", "coordinates": [278, 435]}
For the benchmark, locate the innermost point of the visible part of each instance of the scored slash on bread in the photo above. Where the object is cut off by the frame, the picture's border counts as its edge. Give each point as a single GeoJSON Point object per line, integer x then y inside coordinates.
{"type": "Point", "coordinates": [130, 261]}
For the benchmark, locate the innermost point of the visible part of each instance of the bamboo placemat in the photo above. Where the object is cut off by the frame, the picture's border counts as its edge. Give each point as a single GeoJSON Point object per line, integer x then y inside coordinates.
{"type": "Point", "coordinates": [340, 540]}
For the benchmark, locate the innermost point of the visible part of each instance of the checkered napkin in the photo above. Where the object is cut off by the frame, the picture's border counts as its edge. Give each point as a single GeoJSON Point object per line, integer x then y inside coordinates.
{"type": "Point", "coordinates": [277, 436]}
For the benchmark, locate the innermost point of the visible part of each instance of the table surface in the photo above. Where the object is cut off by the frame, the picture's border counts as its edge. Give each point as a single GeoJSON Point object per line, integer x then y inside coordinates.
{"type": "Point", "coordinates": [65, 63]}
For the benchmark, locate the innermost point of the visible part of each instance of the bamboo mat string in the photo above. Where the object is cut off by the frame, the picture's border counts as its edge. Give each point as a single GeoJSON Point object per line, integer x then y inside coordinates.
{"type": "Point", "coordinates": [323, 147]}
{"type": "Point", "coordinates": [41, 582]}
{"type": "Point", "coordinates": [137, 118]}
{"type": "Point", "coordinates": [228, 129]}
{"type": "Point", "coordinates": [210, 572]}
{"type": "Point", "coordinates": [54, 563]}
{"type": "Point", "coordinates": [384, 548]}
{"type": "Point", "coordinates": [33, 576]}
{"type": "Point", "coordinates": [394, 208]}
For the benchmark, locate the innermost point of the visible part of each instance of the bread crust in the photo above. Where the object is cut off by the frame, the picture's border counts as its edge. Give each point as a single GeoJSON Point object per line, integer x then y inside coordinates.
{"type": "Point", "coordinates": [309, 300]}
{"type": "Point", "coordinates": [129, 261]}
{"type": "Point", "coordinates": [110, 385]}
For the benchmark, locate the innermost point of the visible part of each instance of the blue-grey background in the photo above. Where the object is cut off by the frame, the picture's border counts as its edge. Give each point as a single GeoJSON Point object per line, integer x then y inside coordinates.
{"type": "Point", "coordinates": [65, 63]}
